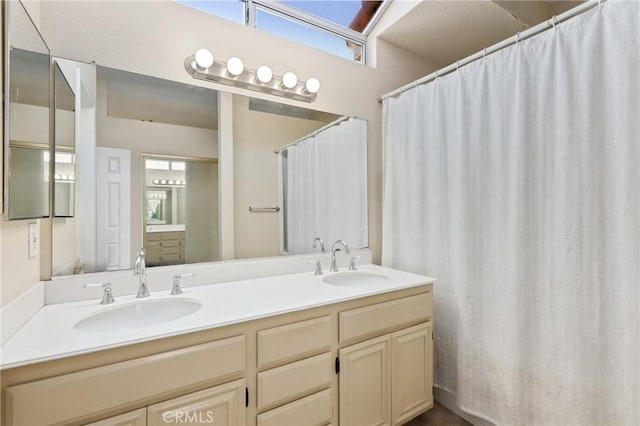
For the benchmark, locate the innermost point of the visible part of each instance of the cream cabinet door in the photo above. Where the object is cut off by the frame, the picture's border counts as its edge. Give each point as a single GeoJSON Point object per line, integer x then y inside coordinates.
{"type": "Point", "coordinates": [412, 371]}
{"type": "Point", "coordinates": [222, 405]}
{"type": "Point", "coordinates": [365, 383]}
{"type": "Point", "coordinates": [132, 418]}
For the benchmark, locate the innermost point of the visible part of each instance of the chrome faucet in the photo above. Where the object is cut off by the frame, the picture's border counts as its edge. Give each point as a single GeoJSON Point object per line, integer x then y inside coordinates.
{"type": "Point", "coordinates": [141, 271]}
{"type": "Point", "coordinates": [334, 267]}
{"type": "Point", "coordinates": [319, 240]}
{"type": "Point", "coordinates": [317, 262]}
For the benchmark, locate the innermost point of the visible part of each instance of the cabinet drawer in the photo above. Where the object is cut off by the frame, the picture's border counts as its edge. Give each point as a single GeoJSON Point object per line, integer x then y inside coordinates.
{"type": "Point", "coordinates": [153, 236]}
{"type": "Point", "coordinates": [375, 319]}
{"type": "Point", "coordinates": [314, 410]}
{"type": "Point", "coordinates": [172, 235]}
{"type": "Point", "coordinates": [168, 259]}
{"type": "Point", "coordinates": [294, 341]}
{"type": "Point", "coordinates": [71, 396]}
{"type": "Point", "coordinates": [282, 384]}
{"type": "Point", "coordinates": [168, 250]}
{"type": "Point", "coordinates": [170, 243]}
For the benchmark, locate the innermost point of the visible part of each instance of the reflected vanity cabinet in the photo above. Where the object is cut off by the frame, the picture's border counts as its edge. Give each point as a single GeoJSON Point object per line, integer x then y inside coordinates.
{"type": "Point", "coordinates": [367, 361]}
{"type": "Point", "coordinates": [164, 248]}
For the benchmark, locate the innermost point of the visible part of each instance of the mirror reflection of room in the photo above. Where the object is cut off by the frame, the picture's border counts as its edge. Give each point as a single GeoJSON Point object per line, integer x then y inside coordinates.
{"type": "Point", "coordinates": [146, 175]}
{"type": "Point", "coordinates": [180, 210]}
{"type": "Point", "coordinates": [28, 193]}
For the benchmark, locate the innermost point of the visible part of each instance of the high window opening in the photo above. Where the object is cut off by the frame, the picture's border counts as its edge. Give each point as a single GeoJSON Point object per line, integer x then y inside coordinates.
{"type": "Point", "coordinates": [339, 27]}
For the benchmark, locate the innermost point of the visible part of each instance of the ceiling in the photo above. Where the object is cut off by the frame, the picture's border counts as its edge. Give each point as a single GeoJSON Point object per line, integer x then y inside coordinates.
{"type": "Point", "coordinates": [445, 31]}
{"type": "Point", "coordinates": [140, 97]}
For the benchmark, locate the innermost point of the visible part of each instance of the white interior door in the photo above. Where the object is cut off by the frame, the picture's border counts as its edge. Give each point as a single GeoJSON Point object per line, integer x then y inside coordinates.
{"type": "Point", "coordinates": [113, 209]}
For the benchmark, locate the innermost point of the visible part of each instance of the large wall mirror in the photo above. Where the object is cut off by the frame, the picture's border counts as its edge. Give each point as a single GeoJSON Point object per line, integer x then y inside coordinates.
{"type": "Point", "coordinates": [297, 173]}
{"type": "Point", "coordinates": [137, 165]}
{"type": "Point", "coordinates": [27, 109]}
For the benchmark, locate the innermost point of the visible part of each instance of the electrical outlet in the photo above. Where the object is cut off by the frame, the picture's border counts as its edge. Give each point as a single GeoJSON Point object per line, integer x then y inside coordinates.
{"type": "Point", "coordinates": [34, 240]}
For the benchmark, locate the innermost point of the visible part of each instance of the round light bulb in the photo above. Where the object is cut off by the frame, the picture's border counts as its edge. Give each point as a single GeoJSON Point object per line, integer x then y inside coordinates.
{"type": "Point", "coordinates": [57, 176]}
{"type": "Point", "coordinates": [289, 80]}
{"type": "Point", "coordinates": [264, 74]}
{"type": "Point", "coordinates": [235, 66]}
{"type": "Point", "coordinates": [72, 177]}
{"type": "Point", "coordinates": [204, 58]}
{"type": "Point", "coordinates": [156, 181]}
{"type": "Point", "coordinates": [171, 182]}
{"type": "Point", "coordinates": [312, 85]}
{"type": "Point", "coordinates": [163, 182]}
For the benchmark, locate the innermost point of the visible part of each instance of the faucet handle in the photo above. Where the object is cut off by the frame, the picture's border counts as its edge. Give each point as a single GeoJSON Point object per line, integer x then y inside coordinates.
{"type": "Point", "coordinates": [318, 266]}
{"type": "Point", "coordinates": [94, 285]}
{"type": "Point", "coordinates": [176, 282]}
{"type": "Point", "coordinates": [352, 263]}
{"type": "Point", "coordinates": [107, 297]}
{"type": "Point", "coordinates": [187, 275]}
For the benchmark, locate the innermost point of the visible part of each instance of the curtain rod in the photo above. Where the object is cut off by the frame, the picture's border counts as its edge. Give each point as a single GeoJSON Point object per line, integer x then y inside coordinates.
{"type": "Point", "coordinates": [310, 135]}
{"type": "Point", "coordinates": [543, 26]}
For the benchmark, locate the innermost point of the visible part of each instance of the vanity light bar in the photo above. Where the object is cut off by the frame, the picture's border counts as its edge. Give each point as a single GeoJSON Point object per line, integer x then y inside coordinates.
{"type": "Point", "coordinates": [202, 66]}
{"type": "Point", "coordinates": [66, 178]}
{"type": "Point", "coordinates": [170, 182]}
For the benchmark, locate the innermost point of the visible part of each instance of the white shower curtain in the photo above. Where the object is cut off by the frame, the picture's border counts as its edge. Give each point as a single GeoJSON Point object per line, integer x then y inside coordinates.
{"type": "Point", "coordinates": [326, 189]}
{"type": "Point", "coordinates": [515, 182]}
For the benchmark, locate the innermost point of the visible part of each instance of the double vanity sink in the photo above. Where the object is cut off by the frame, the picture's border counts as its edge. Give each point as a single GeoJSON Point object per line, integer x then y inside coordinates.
{"type": "Point", "coordinates": [146, 313]}
{"type": "Point", "coordinates": [286, 349]}
{"type": "Point", "coordinates": [74, 328]}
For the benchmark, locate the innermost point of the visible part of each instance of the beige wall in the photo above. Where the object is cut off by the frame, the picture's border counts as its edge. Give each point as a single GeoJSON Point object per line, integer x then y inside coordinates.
{"type": "Point", "coordinates": [18, 273]}
{"type": "Point", "coordinates": [135, 36]}
{"type": "Point", "coordinates": [255, 167]}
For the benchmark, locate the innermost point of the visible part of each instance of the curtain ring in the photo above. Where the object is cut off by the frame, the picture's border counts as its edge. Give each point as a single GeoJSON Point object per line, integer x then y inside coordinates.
{"type": "Point", "coordinates": [458, 64]}
{"type": "Point", "coordinates": [437, 75]}
{"type": "Point", "coordinates": [553, 21]}
{"type": "Point", "coordinates": [484, 53]}
{"type": "Point", "coordinates": [415, 84]}
{"type": "Point", "coordinates": [518, 38]}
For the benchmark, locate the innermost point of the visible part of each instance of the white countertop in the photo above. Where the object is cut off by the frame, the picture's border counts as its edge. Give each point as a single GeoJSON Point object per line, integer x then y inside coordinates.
{"type": "Point", "coordinates": [166, 228]}
{"type": "Point", "coordinates": [50, 335]}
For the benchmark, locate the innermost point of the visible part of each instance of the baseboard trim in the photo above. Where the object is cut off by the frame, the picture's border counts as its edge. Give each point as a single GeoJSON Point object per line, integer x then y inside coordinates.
{"type": "Point", "coordinates": [448, 399]}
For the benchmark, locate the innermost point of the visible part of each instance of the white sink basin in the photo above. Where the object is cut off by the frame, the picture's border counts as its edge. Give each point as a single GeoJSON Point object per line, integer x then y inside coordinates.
{"type": "Point", "coordinates": [139, 314]}
{"type": "Point", "coordinates": [355, 278]}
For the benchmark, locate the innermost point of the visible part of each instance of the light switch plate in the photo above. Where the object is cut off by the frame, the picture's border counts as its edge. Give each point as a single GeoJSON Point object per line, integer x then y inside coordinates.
{"type": "Point", "coordinates": [34, 240]}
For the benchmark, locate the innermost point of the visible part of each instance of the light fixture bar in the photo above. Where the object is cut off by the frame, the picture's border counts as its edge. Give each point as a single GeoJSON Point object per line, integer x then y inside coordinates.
{"type": "Point", "coordinates": [218, 72]}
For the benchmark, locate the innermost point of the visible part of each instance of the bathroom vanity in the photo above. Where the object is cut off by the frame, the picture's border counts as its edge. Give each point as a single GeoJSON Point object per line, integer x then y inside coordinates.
{"type": "Point", "coordinates": [350, 348]}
